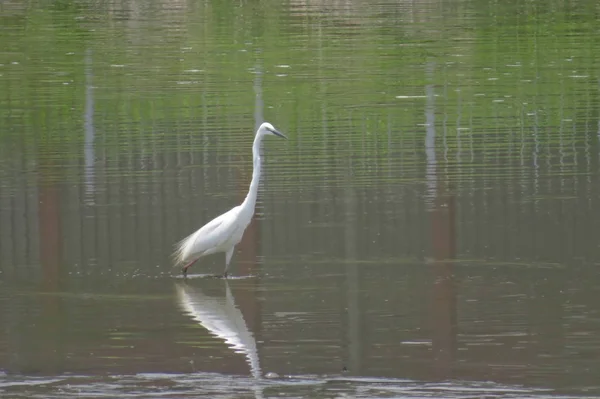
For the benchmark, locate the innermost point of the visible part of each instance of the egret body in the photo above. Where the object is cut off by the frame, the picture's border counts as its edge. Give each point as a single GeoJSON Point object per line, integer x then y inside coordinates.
{"type": "Point", "coordinates": [224, 232]}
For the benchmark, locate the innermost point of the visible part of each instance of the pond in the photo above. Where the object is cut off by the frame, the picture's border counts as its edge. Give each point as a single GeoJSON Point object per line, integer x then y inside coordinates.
{"type": "Point", "coordinates": [429, 229]}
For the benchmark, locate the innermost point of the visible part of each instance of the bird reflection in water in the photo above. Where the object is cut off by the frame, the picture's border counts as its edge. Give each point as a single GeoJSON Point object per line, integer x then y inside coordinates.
{"type": "Point", "coordinates": [221, 316]}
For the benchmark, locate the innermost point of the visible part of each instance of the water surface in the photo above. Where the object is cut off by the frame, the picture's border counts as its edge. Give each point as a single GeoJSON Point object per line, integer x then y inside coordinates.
{"type": "Point", "coordinates": [428, 230]}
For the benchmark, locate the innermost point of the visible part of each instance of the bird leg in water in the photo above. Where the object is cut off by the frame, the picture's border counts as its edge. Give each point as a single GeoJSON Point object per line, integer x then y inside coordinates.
{"type": "Point", "coordinates": [186, 267]}
{"type": "Point", "coordinates": [228, 256]}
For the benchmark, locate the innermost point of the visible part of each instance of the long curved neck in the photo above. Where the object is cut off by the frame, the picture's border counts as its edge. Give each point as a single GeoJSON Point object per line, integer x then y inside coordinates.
{"type": "Point", "coordinates": [250, 200]}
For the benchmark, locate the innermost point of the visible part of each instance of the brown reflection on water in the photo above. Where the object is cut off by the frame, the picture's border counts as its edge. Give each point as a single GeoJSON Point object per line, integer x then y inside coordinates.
{"type": "Point", "coordinates": [443, 315]}
{"type": "Point", "coordinates": [443, 239]}
{"type": "Point", "coordinates": [50, 224]}
{"type": "Point", "coordinates": [352, 278]}
{"type": "Point", "coordinates": [48, 332]}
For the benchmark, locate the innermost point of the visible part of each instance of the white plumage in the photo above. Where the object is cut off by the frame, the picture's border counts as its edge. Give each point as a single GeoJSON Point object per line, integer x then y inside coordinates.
{"type": "Point", "coordinates": [222, 317]}
{"type": "Point", "coordinates": [224, 232]}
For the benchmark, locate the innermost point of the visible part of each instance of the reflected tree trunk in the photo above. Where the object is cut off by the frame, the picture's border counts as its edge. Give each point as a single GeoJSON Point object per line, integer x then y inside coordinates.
{"type": "Point", "coordinates": [443, 312]}
{"type": "Point", "coordinates": [352, 278]}
{"type": "Point", "coordinates": [444, 290]}
{"type": "Point", "coordinates": [48, 330]}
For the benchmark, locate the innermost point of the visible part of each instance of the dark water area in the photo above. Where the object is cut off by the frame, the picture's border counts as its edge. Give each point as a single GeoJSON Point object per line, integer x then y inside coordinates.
{"type": "Point", "coordinates": [430, 228]}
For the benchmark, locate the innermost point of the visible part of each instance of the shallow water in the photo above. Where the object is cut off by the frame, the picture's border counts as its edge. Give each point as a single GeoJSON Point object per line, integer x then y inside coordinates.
{"type": "Point", "coordinates": [428, 230]}
{"type": "Point", "coordinates": [212, 385]}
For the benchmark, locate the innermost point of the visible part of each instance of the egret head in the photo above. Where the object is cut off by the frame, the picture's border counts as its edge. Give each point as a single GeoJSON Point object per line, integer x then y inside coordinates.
{"type": "Point", "coordinates": [267, 129]}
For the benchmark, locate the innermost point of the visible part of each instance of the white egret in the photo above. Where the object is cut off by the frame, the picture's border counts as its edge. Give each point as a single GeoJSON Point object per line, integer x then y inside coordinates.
{"type": "Point", "coordinates": [224, 232]}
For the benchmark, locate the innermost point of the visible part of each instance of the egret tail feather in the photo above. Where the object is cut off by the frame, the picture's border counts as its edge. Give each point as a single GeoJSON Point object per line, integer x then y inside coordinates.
{"type": "Point", "coordinates": [179, 256]}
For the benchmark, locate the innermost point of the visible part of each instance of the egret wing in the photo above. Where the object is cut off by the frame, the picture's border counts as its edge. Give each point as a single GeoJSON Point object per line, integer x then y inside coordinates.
{"type": "Point", "coordinates": [209, 237]}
